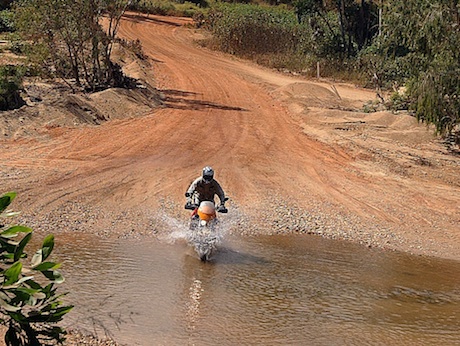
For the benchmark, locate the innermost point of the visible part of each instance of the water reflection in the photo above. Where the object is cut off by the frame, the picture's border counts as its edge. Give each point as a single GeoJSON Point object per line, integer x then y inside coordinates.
{"type": "Point", "coordinates": [263, 290]}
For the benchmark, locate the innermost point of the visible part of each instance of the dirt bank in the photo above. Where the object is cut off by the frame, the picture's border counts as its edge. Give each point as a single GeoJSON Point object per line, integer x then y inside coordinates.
{"type": "Point", "coordinates": [294, 155]}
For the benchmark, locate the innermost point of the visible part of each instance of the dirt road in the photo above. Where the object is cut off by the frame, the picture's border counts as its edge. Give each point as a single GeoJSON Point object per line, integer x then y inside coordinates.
{"type": "Point", "coordinates": [299, 154]}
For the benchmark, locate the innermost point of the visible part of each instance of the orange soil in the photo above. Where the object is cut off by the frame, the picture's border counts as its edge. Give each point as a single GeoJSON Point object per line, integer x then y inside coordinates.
{"type": "Point", "coordinates": [270, 137]}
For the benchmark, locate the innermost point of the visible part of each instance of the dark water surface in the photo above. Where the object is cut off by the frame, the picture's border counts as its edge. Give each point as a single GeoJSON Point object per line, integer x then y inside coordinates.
{"type": "Point", "coordinates": [265, 290]}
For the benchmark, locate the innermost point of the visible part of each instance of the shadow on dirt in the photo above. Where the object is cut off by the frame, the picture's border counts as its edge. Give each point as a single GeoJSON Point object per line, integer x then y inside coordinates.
{"type": "Point", "coordinates": [179, 99]}
{"type": "Point", "coordinates": [137, 18]}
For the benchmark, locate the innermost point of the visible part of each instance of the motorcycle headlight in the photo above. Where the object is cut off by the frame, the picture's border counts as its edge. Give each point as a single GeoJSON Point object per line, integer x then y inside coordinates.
{"type": "Point", "coordinates": [203, 222]}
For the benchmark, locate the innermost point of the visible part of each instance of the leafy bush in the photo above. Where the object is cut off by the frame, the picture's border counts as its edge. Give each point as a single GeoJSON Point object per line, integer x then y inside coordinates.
{"type": "Point", "coordinates": [171, 8]}
{"type": "Point", "coordinates": [435, 96]}
{"type": "Point", "coordinates": [6, 21]}
{"type": "Point", "coordinates": [248, 30]}
{"type": "Point", "coordinates": [11, 78]}
{"type": "Point", "coordinates": [282, 38]}
{"type": "Point", "coordinates": [418, 49]}
{"type": "Point", "coordinates": [29, 309]}
{"type": "Point", "coordinates": [74, 46]}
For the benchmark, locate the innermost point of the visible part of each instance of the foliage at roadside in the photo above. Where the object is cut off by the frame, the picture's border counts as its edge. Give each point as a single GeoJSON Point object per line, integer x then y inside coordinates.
{"type": "Point", "coordinates": [29, 307]}
{"type": "Point", "coordinates": [294, 36]}
{"type": "Point", "coordinates": [178, 8]}
{"type": "Point", "coordinates": [418, 50]}
{"type": "Point", "coordinates": [6, 21]}
{"type": "Point", "coordinates": [11, 79]}
{"type": "Point", "coordinates": [248, 30]}
{"type": "Point", "coordinates": [67, 39]}
{"type": "Point", "coordinates": [389, 45]}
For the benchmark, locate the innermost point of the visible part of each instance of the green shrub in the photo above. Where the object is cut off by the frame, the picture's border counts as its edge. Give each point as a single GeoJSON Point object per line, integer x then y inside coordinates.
{"type": "Point", "coordinates": [6, 21]}
{"type": "Point", "coordinates": [435, 97]}
{"type": "Point", "coordinates": [398, 101]}
{"type": "Point", "coordinates": [278, 38]}
{"type": "Point", "coordinates": [169, 8]}
{"type": "Point", "coordinates": [248, 30]}
{"type": "Point", "coordinates": [29, 309]}
{"type": "Point", "coordinates": [418, 49]}
{"type": "Point", "coordinates": [11, 79]}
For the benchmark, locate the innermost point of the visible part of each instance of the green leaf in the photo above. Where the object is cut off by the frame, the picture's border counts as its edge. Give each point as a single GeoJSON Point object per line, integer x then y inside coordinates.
{"type": "Point", "coordinates": [31, 283]}
{"type": "Point", "coordinates": [37, 258]}
{"type": "Point", "coordinates": [12, 273]}
{"type": "Point", "coordinates": [40, 295]}
{"type": "Point", "coordinates": [14, 230]}
{"type": "Point", "coordinates": [3, 296]}
{"type": "Point", "coordinates": [28, 291]}
{"type": "Point", "coordinates": [44, 266]}
{"type": "Point", "coordinates": [9, 307]}
{"type": "Point", "coordinates": [18, 317]}
{"type": "Point", "coordinates": [24, 279]}
{"type": "Point", "coordinates": [6, 200]}
{"type": "Point", "coordinates": [48, 245]}
{"type": "Point", "coordinates": [20, 248]}
{"type": "Point", "coordinates": [54, 276]}
{"type": "Point", "coordinates": [11, 213]}
{"type": "Point", "coordinates": [52, 317]}
{"type": "Point", "coordinates": [32, 301]}
{"type": "Point", "coordinates": [62, 311]}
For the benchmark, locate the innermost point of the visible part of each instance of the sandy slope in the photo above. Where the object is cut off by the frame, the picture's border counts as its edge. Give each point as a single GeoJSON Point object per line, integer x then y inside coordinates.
{"type": "Point", "coordinates": [300, 147]}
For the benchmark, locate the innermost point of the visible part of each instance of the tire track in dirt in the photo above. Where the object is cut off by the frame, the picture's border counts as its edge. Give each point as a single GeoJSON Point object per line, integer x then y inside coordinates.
{"type": "Point", "coordinates": [225, 113]}
{"type": "Point", "coordinates": [272, 153]}
{"type": "Point", "coordinates": [212, 116]}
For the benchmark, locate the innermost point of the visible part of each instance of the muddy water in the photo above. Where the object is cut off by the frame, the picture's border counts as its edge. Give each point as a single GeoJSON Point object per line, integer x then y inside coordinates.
{"type": "Point", "coordinates": [267, 290]}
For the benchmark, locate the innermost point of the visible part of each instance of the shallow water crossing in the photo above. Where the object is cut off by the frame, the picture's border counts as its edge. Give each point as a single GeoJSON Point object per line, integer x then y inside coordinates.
{"type": "Point", "coordinates": [265, 290]}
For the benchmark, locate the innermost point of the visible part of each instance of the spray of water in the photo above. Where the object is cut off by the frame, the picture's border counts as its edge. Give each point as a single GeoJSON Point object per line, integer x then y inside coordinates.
{"type": "Point", "coordinates": [174, 229]}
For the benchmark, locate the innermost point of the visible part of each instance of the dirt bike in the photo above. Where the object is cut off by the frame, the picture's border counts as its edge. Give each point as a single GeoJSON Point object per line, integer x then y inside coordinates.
{"type": "Point", "coordinates": [203, 221]}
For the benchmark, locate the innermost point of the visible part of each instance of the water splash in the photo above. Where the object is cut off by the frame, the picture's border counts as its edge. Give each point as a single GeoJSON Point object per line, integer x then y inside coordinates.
{"type": "Point", "coordinates": [204, 240]}
{"type": "Point", "coordinates": [173, 229]}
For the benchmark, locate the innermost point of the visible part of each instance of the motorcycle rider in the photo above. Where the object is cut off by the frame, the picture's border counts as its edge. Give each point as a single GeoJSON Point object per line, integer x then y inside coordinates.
{"type": "Point", "coordinates": [204, 188]}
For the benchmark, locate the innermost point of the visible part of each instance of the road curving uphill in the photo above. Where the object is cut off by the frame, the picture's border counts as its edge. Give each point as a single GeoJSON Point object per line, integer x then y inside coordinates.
{"type": "Point", "coordinates": [294, 155]}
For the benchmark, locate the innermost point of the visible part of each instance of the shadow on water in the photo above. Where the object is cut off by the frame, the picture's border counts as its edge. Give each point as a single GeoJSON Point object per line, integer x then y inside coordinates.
{"type": "Point", "coordinates": [266, 290]}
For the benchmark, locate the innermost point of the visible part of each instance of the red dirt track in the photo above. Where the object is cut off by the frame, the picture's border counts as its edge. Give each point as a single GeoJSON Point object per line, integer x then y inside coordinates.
{"type": "Point", "coordinates": [245, 122]}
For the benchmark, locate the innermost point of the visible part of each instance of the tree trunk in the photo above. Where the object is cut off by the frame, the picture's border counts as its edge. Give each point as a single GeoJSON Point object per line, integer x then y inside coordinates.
{"type": "Point", "coordinates": [341, 9]}
{"type": "Point", "coordinates": [362, 34]}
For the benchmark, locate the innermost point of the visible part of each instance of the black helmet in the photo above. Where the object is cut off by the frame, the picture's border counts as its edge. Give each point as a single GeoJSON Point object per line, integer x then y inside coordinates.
{"type": "Point", "coordinates": [208, 174]}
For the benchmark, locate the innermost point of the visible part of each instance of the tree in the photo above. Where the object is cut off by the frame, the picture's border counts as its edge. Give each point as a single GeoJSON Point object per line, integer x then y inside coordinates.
{"type": "Point", "coordinates": [353, 29]}
{"type": "Point", "coordinates": [69, 40]}
{"type": "Point", "coordinates": [28, 309]}
{"type": "Point", "coordinates": [419, 48]}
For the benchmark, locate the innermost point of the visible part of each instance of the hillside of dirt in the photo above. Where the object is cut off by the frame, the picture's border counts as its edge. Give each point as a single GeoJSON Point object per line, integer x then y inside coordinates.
{"type": "Point", "coordinates": [294, 155]}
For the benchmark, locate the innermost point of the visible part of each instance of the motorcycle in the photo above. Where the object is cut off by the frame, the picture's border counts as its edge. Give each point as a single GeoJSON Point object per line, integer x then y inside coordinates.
{"type": "Point", "coordinates": [203, 222]}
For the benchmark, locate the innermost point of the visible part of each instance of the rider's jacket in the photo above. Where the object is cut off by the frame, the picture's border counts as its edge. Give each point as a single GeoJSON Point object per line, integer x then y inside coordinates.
{"type": "Point", "coordinates": [206, 192]}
